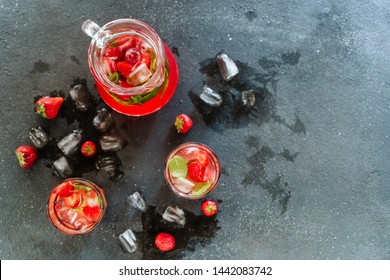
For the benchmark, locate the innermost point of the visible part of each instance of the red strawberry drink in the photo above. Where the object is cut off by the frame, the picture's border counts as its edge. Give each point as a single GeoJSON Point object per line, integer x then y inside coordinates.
{"type": "Point", "coordinates": [76, 206]}
{"type": "Point", "coordinates": [192, 170]}
{"type": "Point", "coordinates": [129, 63]}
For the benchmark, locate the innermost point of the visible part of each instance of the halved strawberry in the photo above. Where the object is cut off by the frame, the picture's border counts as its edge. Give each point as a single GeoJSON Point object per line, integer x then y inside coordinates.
{"type": "Point", "coordinates": [196, 171]}
{"type": "Point", "coordinates": [64, 189]}
{"type": "Point", "coordinates": [124, 68]}
{"type": "Point", "coordinates": [202, 157]}
{"type": "Point", "coordinates": [165, 241]}
{"type": "Point", "coordinates": [132, 56]}
{"type": "Point", "coordinates": [114, 54]}
{"type": "Point", "coordinates": [91, 212]}
{"type": "Point", "coordinates": [74, 200]}
{"type": "Point", "coordinates": [48, 107]}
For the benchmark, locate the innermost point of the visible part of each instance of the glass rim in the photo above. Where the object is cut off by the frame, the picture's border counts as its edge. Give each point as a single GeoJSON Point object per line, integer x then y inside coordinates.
{"type": "Point", "coordinates": [62, 227]}
{"type": "Point", "coordinates": [214, 158]}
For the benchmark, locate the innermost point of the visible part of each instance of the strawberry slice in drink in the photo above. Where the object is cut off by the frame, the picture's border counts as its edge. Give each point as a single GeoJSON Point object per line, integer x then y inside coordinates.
{"type": "Point", "coordinates": [202, 157]}
{"type": "Point", "coordinates": [113, 53]}
{"type": "Point", "coordinates": [64, 189]}
{"type": "Point", "coordinates": [124, 68]}
{"type": "Point", "coordinates": [91, 213]}
{"type": "Point", "coordinates": [132, 56]}
{"type": "Point", "coordinates": [75, 200]}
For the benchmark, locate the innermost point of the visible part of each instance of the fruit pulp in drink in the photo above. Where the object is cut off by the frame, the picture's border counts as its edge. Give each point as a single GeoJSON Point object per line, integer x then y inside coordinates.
{"type": "Point", "coordinates": [129, 60]}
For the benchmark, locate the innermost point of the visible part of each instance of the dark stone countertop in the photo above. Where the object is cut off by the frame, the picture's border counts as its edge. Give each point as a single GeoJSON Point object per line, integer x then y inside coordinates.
{"type": "Point", "coordinates": [305, 172]}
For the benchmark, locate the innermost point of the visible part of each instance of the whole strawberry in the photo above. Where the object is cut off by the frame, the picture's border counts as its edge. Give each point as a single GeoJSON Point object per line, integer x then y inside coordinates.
{"type": "Point", "coordinates": [165, 242]}
{"type": "Point", "coordinates": [27, 155]}
{"type": "Point", "coordinates": [209, 208]}
{"type": "Point", "coordinates": [88, 149]}
{"type": "Point", "coordinates": [183, 123]}
{"type": "Point", "coordinates": [48, 107]}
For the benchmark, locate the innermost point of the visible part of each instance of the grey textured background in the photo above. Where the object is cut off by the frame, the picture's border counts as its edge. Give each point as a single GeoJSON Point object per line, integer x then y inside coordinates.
{"type": "Point", "coordinates": [305, 176]}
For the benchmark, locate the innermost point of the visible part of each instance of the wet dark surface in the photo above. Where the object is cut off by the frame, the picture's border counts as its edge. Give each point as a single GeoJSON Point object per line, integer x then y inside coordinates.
{"type": "Point", "coordinates": [304, 171]}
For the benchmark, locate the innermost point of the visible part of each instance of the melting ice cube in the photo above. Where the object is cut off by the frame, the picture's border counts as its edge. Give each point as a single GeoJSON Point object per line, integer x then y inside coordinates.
{"type": "Point", "coordinates": [227, 67]}
{"type": "Point", "coordinates": [128, 241]}
{"type": "Point", "coordinates": [111, 143]}
{"type": "Point", "coordinates": [70, 143]}
{"type": "Point", "coordinates": [211, 97]}
{"type": "Point", "coordinates": [175, 215]}
{"type": "Point", "coordinates": [81, 97]}
{"type": "Point", "coordinates": [103, 120]}
{"type": "Point", "coordinates": [39, 137]}
{"type": "Point", "coordinates": [62, 168]}
{"type": "Point", "coordinates": [136, 201]}
{"type": "Point", "coordinates": [248, 98]}
{"type": "Point", "coordinates": [139, 75]}
{"type": "Point", "coordinates": [108, 165]}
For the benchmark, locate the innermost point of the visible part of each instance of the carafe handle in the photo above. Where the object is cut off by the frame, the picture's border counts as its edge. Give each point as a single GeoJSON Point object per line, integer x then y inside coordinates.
{"type": "Point", "coordinates": [91, 29]}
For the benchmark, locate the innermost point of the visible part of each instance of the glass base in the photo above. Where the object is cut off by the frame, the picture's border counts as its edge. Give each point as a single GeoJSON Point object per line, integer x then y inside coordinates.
{"type": "Point", "coordinates": [154, 104]}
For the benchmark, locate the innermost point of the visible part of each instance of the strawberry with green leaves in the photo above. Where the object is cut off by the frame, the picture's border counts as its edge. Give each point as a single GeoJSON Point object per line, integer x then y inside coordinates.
{"type": "Point", "coordinates": [48, 107]}
{"type": "Point", "coordinates": [88, 149]}
{"type": "Point", "coordinates": [183, 123]}
{"type": "Point", "coordinates": [27, 156]}
{"type": "Point", "coordinates": [209, 208]}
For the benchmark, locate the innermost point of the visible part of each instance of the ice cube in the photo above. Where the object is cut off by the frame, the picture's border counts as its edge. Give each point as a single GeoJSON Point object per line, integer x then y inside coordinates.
{"type": "Point", "coordinates": [103, 120]}
{"type": "Point", "coordinates": [211, 97]}
{"type": "Point", "coordinates": [39, 137]}
{"type": "Point", "coordinates": [227, 67]}
{"type": "Point", "coordinates": [132, 56]}
{"type": "Point", "coordinates": [111, 143]}
{"type": "Point", "coordinates": [128, 241]}
{"type": "Point", "coordinates": [248, 98]}
{"type": "Point", "coordinates": [183, 185]}
{"type": "Point", "coordinates": [81, 224]}
{"type": "Point", "coordinates": [70, 143]}
{"type": "Point", "coordinates": [136, 201]}
{"type": "Point", "coordinates": [108, 165]}
{"type": "Point", "coordinates": [144, 47]}
{"type": "Point", "coordinates": [81, 97]}
{"type": "Point", "coordinates": [139, 75]}
{"type": "Point", "coordinates": [62, 168]}
{"type": "Point", "coordinates": [175, 215]}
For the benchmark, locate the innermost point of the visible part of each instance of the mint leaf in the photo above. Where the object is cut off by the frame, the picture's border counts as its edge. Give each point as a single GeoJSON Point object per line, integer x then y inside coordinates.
{"type": "Point", "coordinates": [201, 188]}
{"type": "Point", "coordinates": [178, 166]}
{"type": "Point", "coordinates": [114, 77]}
